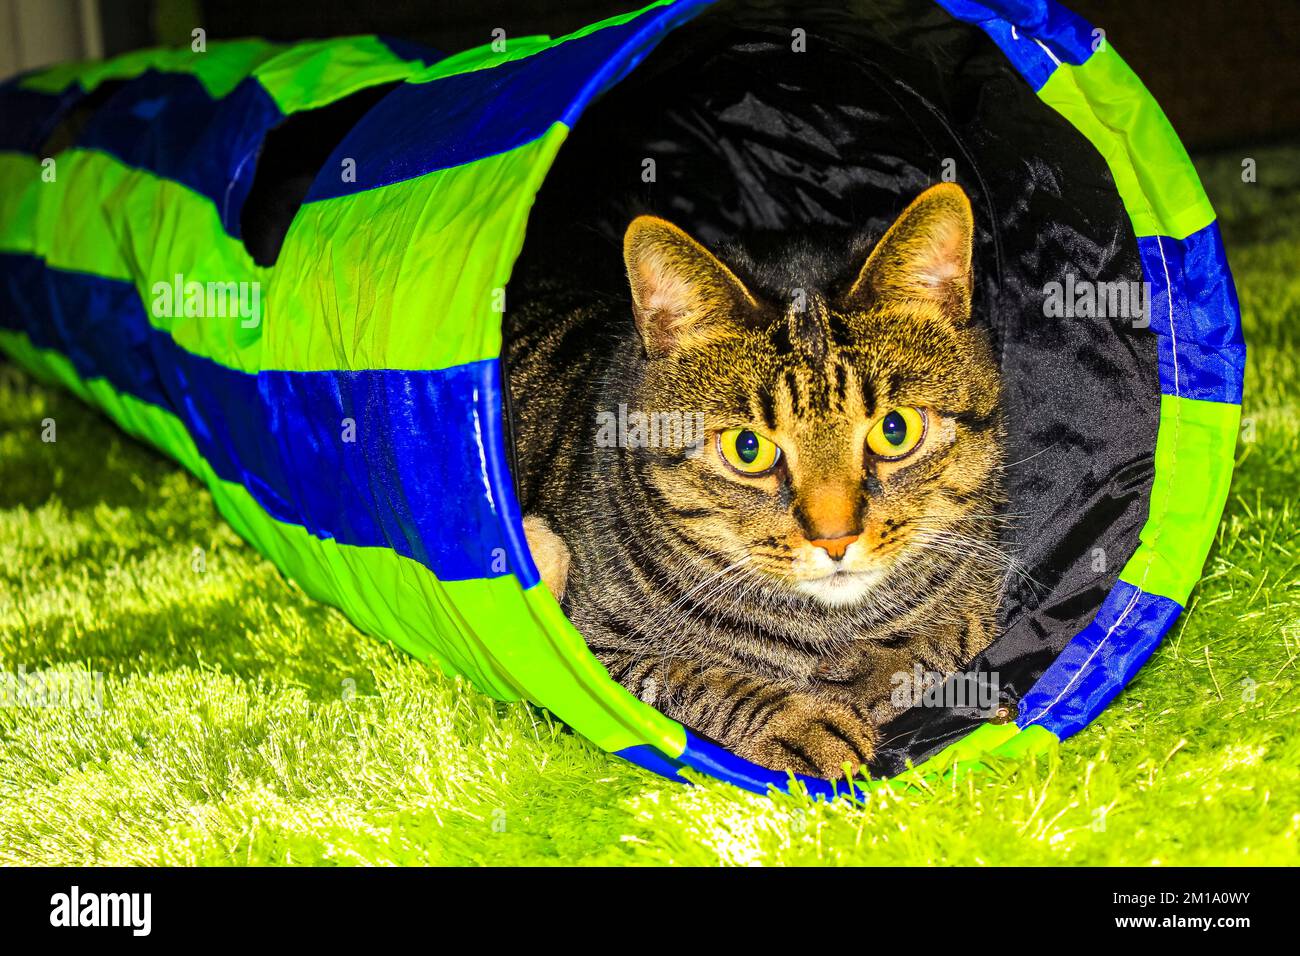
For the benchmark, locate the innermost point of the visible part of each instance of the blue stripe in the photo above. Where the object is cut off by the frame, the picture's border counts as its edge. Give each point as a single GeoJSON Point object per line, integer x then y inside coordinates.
{"type": "Point", "coordinates": [30, 116]}
{"type": "Point", "coordinates": [1195, 312]}
{"type": "Point", "coordinates": [1099, 661]}
{"type": "Point", "coordinates": [409, 50]}
{"type": "Point", "coordinates": [82, 319]}
{"type": "Point", "coordinates": [423, 127]}
{"type": "Point", "coordinates": [652, 759]}
{"type": "Point", "coordinates": [1015, 25]}
{"type": "Point", "coordinates": [723, 765]}
{"type": "Point", "coordinates": [425, 475]}
{"type": "Point", "coordinates": [165, 123]}
{"type": "Point", "coordinates": [168, 124]}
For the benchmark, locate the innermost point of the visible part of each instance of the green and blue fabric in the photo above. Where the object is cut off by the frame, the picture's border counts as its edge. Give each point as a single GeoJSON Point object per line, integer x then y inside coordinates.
{"type": "Point", "coordinates": [381, 320]}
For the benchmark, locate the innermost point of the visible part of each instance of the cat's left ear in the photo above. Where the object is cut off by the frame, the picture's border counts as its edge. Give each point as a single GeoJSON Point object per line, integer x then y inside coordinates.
{"type": "Point", "coordinates": [681, 292]}
{"type": "Point", "coordinates": [926, 254]}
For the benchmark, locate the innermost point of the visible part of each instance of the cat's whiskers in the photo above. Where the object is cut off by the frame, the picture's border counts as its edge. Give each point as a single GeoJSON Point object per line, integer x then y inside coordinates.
{"type": "Point", "coordinates": [985, 553]}
{"type": "Point", "coordinates": [713, 582]}
{"type": "Point", "coordinates": [678, 644]}
{"type": "Point", "coordinates": [719, 588]}
{"type": "Point", "coordinates": [1041, 451]}
{"type": "Point", "coordinates": [668, 643]}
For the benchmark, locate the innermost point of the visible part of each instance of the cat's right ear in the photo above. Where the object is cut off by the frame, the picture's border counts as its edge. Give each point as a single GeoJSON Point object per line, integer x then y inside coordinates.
{"type": "Point", "coordinates": [925, 254]}
{"type": "Point", "coordinates": [681, 293]}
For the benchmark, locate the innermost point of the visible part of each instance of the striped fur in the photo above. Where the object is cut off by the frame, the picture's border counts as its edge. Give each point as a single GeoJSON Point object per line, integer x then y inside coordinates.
{"type": "Point", "coordinates": [699, 588]}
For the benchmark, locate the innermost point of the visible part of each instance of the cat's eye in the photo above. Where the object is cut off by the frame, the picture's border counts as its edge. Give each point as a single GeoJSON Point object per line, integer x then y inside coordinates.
{"type": "Point", "coordinates": [747, 451]}
{"type": "Point", "coordinates": [897, 433]}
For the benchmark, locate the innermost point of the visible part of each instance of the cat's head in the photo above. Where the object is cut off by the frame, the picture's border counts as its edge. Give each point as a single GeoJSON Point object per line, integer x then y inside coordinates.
{"type": "Point", "coordinates": [846, 429]}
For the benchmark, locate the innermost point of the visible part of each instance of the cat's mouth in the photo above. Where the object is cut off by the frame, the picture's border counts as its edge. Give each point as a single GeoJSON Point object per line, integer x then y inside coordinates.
{"type": "Point", "coordinates": [840, 587]}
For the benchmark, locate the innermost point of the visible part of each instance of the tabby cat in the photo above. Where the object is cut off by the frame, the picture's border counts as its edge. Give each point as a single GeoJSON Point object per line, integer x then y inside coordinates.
{"type": "Point", "coordinates": [837, 526]}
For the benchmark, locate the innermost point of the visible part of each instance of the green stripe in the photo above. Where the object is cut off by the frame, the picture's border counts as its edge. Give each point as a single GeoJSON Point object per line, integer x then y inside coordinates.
{"type": "Point", "coordinates": [969, 749]}
{"type": "Point", "coordinates": [431, 307]}
{"type": "Point", "coordinates": [105, 218]}
{"type": "Point", "coordinates": [308, 75]}
{"type": "Point", "coordinates": [220, 69]}
{"type": "Point", "coordinates": [20, 181]}
{"type": "Point", "coordinates": [562, 673]}
{"type": "Point", "coordinates": [300, 77]}
{"type": "Point", "coordinates": [1193, 470]}
{"type": "Point", "coordinates": [1106, 102]}
{"type": "Point", "coordinates": [507, 641]}
{"type": "Point", "coordinates": [974, 752]}
{"type": "Point", "coordinates": [455, 233]}
{"type": "Point", "coordinates": [1033, 741]}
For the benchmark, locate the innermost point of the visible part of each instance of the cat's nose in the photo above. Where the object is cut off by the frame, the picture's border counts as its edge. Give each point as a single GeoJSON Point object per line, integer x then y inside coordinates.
{"type": "Point", "coordinates": [835, 547]}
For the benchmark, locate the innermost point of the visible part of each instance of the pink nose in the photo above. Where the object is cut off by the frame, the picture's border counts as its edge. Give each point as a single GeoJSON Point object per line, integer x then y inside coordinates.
{"type": "Point", "coordinates": [835, 547]}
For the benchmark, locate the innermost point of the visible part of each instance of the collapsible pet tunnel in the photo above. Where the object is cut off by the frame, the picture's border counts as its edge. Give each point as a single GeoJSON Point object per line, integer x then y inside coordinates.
{"type": "Point", "coordinates": [381, 315]}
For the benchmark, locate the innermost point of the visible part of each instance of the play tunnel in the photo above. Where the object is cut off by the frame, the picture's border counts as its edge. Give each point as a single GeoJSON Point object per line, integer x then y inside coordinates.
{"type": "Point", "coordinates": [286, 267]}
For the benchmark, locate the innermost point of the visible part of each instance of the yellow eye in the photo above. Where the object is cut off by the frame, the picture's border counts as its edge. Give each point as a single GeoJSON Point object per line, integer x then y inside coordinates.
{"type": "Point", "coordinates": [747, 451]}
{"type": "Point", "coordinates": [897, 434]}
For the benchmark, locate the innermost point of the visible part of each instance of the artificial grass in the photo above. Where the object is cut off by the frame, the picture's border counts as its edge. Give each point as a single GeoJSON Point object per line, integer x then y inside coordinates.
{"type": "Point", "coordinates": [243, 723]}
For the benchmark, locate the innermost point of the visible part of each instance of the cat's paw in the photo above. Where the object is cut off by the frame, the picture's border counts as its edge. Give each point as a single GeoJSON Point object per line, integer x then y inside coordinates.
{"type": "Point", "coordinates": [814, 736]}
{"type": "Point", "coordinates": [550, 554]}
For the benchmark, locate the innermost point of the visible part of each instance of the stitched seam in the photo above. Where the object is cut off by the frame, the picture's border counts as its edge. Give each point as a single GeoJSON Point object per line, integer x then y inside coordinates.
{"type": "Point", "coordinates": [1173, 468]}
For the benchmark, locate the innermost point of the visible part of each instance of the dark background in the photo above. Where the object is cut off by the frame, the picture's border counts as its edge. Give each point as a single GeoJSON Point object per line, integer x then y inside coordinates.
{"type": "Point", "coordinates": [1225, 71]}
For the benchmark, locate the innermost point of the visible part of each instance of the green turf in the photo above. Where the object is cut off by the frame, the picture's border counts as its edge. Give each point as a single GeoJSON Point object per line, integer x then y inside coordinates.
{"type": "Point", "coordinates": [242, 723]}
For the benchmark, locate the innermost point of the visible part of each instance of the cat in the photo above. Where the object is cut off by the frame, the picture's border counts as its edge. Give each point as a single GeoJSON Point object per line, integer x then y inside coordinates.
{"type": "Point", "coordinates": [838, 523]}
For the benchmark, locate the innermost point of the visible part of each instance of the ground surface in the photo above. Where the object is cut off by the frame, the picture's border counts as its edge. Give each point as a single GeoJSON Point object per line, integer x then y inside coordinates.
{"type": "Point", "coordinates": [243, 723]}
